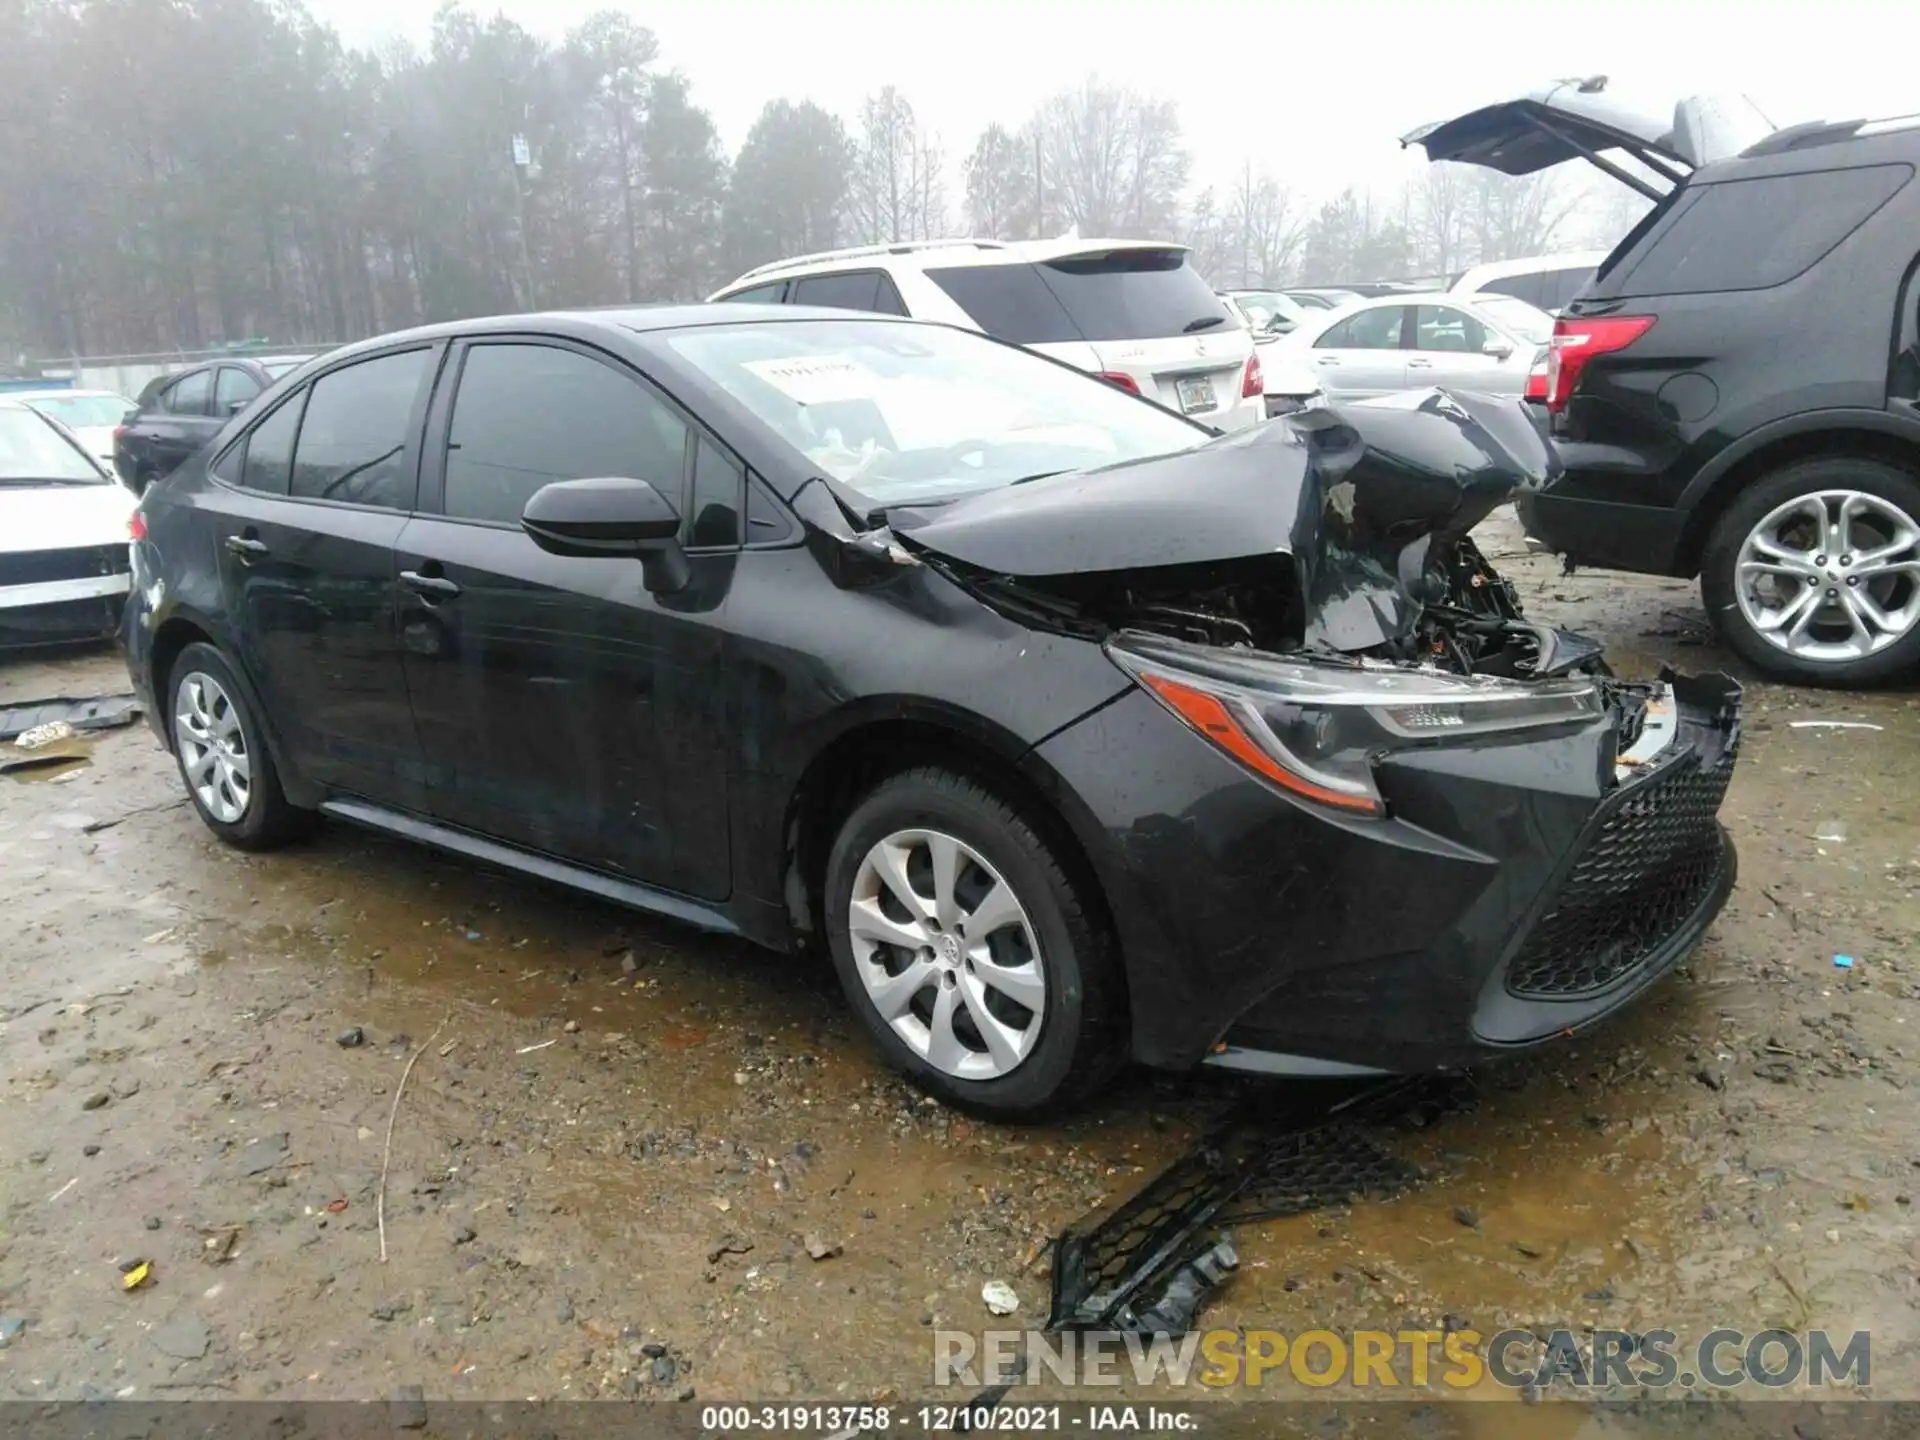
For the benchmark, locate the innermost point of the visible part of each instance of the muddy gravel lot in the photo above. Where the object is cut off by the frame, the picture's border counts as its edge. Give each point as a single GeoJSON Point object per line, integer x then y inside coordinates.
{"type": "Point", "coordinates": [630, 1160]}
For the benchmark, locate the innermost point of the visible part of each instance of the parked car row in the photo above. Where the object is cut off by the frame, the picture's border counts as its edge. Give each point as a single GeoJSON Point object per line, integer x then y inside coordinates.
{"type": "Point", "coordinates": [1735, 395]}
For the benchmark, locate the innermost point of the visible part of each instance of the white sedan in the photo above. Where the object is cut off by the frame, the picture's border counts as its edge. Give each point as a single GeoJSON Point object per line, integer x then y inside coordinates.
{"type": "Point", "coordinates": [64, 568]}
{"type": "Point", "coordinates": [90, 414]}
{"type": "Point", "coordinates": [1483, 343]}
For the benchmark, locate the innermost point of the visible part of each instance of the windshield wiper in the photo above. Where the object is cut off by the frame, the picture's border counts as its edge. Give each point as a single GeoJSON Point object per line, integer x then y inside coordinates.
{"type": "Point", "coordinates": [1205, 322]}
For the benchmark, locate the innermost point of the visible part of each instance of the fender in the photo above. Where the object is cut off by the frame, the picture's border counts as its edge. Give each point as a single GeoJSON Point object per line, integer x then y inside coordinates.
{"type": "Point", "coordinates": [292, 784]}
{"type": "Point", "coordinates": [1808, 422]}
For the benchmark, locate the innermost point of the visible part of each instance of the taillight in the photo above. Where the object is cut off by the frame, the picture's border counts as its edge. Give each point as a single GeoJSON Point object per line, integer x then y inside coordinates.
{"type": "Point", "coordinates": [1537, 379]}
{"type": "Point", "coordinates": [136, 527]}
{"type": "Point", "coordinates": [1251, 383]}
{"type": "Point", "coordinates": [1576, 341]}
{"type": "Point", "coordinates": [1119, 377]}
{"type": "Point", "coordinates": [119, 431]}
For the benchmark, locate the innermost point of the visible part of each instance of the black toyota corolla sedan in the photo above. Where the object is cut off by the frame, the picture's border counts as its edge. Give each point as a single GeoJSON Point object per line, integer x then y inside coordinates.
{"type": "Point", "coordinates": [1074, 731]}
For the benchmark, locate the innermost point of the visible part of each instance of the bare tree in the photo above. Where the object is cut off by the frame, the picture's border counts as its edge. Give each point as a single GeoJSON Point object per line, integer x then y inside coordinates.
{"type": "Point", "coordinates": [1001, 185]}
{"type": "Point", "coordinates": [1439, 219]}
{"type": "Point", "coordinates": [1113, 161]}
{"type": "Point", "coordinates": [896, 191]}
{"type": "Point", "coordinates": [1266, 227]}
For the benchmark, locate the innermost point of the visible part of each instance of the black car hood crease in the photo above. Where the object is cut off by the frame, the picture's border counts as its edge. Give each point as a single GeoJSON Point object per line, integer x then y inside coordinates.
{"type": "Point", "coordinates": [1350, 493]}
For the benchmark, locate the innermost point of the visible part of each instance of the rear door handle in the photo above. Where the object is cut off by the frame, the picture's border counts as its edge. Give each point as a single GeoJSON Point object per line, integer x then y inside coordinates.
{"type": "Point", "coordinates": [245, 546]}
{"type": "Point", "coordinates": [1421, 364]}
{"type": "Point", "coordinates": [1326, 360]}
{"type": "Point", "coordinates": [436, 586]}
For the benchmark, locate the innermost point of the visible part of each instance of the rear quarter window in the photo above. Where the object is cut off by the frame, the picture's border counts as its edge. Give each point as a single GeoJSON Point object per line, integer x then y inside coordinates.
{"type": "Point", "coordinates": [1009, 302]}
{"type": "Point", "coordinates": [1752, 234]}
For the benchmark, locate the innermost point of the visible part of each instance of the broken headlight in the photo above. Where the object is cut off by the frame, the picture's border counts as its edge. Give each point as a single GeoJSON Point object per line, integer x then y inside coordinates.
{"type": "Point", "coordinates": [1314, 729]}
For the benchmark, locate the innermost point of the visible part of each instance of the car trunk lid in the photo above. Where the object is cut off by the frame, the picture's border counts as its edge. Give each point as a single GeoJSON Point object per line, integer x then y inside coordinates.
{"type": "Point", "coordinates": [1583, 119]}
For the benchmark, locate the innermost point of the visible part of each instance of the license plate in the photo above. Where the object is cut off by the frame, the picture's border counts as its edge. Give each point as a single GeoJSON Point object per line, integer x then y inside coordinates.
{"type": "Point", "coordinates": [1196, 393]}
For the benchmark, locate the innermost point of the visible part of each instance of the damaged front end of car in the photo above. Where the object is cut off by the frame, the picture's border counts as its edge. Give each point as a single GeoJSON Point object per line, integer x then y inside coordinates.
{"type": "Point", "coordinates": [1335, 534]}
{"type": "Point", "coordinates": [1487, 825]}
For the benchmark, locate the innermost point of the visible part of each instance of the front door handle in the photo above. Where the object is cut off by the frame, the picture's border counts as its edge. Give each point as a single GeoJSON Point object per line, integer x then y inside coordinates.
{"type": "Point", "coordinates": [1420, 364]}
{"type": "Point", "coordinates": [246, 547]}
{"type": "Point", "coordinates": [1325, 360]}
{"type": "Point", "coordinates": [437, 587]}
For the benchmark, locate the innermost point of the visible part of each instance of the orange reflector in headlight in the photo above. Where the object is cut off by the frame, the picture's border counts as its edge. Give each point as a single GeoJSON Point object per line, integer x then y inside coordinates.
{"type": "Point", "coordinates": [1212, 718]}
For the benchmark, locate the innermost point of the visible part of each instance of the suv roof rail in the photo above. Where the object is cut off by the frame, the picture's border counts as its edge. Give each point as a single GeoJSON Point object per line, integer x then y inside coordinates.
{"type": "Point", "coordinates": [1825, 132]}
{"type": "Point", "coordinates": [861, 252]}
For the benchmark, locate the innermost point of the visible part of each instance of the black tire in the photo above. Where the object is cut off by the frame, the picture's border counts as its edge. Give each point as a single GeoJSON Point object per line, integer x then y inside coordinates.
{"type": "Point", "coordinates": [1080, 1043]}
{"type": "Point", "coordinates": [266, 820]}
{"type": "Point", "coordinates": [1717, 564]}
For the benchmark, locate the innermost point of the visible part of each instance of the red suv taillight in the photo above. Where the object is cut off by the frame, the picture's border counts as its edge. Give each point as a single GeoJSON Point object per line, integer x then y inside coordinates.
{"type": "Point", "coordinates": [1576, 341]}
{"type": "Point", "coordinates": [1119, 377]}
{"type": "Point", "coordinates": [1251, 382]}
{"type": "Point", "coordinates": [136, 526]}
{"type": "Point", "coordinates": [119, 431]}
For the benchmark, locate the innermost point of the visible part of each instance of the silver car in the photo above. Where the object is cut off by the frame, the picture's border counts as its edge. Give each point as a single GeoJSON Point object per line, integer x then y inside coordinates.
{"type": "Point", "coordinates": [1483, 343]}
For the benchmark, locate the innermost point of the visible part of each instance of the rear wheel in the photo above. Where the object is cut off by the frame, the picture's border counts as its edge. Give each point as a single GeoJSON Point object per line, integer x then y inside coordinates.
{"type": "Point", "coordinates": [229, 774]}
{"type": "Point", "coordinates": [969, 950]}
{"type": "Point", "coordinates": [1813, 574]}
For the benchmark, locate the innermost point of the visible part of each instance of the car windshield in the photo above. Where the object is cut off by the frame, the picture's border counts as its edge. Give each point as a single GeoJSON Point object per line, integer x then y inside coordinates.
{"type": "Point", "coordinates": [33, 452]}
{"type": "Point", "coordinates": [906, 413]}
{"type": "Point", "coordinates": [1517, 317]}
{"type": "Point", "coordinates": [83, 411]}
{"type": "Point", "coordinates": [1263, 307]}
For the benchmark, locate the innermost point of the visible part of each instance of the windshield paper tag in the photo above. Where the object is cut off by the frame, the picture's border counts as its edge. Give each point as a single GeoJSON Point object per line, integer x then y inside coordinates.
{"type": "Point", "coordinates": [817, 379]}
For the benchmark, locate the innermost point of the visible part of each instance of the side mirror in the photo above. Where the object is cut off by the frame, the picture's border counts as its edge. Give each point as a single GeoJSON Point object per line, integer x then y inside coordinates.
{"type": "Point", "coordinates": [1498, 348]}
{"type": "Point", "coordinates": [610, 517]}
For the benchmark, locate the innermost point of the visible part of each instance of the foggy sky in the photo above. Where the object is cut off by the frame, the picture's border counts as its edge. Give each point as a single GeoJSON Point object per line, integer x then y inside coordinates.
{"type": "Point", "coordinates": [1316, 94]}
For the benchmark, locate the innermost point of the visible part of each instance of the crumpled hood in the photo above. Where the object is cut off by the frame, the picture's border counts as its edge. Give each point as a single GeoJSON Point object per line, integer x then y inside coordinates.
{"type": "Point", "coordinates": [1355, 494]}
{"type": "Point", "coordinates": [62, 517]}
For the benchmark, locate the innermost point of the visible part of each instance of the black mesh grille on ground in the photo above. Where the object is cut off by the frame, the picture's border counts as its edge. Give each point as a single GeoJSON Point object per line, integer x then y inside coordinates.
{"type": "Point", "coordinates": [1652, 862]}
{"type": "Point", "coordinates": [1119, 1269]}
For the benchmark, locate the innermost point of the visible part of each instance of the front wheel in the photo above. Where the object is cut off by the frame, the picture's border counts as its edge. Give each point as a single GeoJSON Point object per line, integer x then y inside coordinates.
{"type": "Point", "coordinates": [1813, 574]}
{"type": "Point", "coordinates": [971, 953]}
{"type": "Point", "coordinates": [223, 757]}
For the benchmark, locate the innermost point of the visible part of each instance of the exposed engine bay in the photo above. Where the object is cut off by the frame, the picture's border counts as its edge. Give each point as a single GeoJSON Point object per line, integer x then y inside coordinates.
{"type": "Point", "coordinates": [1352, 541]}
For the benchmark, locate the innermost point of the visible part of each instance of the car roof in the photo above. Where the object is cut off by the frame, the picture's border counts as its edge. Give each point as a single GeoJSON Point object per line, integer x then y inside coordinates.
{"type": "Point", "coordinates": [917, 253]}
{"type": "Point", "coordinates": [55, 392]}
{"type": "Point", "coordinates": [636, 319]}
{"type": "Point", "coordinates": [1530, 265]}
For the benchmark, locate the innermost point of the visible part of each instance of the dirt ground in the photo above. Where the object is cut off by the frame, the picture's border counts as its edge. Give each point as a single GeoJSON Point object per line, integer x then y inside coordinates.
{"type": "Point", "coordinates": [622, 1142]}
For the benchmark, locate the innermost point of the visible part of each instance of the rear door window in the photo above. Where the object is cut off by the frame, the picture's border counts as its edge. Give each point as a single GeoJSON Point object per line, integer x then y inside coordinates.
{"type": "Point", "coordinates": [758, 295]}
{"type": "Point", "coordinates": [1441, 327]}
{"type": "Point", "coordinates": [354, 438]}
{"type": "Point", "coordinates": [1377, 329]}
{"type": "Point", "coordinates": [189, 394]}
{"type": "Point", "coordinates": [1755, 234]}
{"type": "Point", "coordinates": [233, 389]}
{"type": "Point", "coordinates": [847, 290]}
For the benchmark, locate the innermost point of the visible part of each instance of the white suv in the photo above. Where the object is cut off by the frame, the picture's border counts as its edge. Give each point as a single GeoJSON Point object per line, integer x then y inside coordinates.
{"type": "Point", "coordinates": [1133, 312]}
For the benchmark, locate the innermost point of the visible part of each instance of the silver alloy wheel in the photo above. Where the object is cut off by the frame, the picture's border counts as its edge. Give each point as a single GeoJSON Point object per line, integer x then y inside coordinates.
{"type": "Point", "coordinates": [1831, 576]}
{"type": "Point", "coordinates": [213, 747]}
{"type": "Point", "coordinates": [947, 954]}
